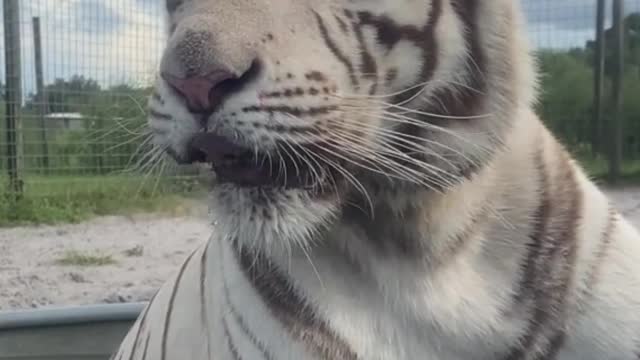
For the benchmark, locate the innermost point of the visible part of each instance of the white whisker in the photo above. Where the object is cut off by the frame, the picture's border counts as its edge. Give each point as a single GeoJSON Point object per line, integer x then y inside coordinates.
{"type": "Point", "coordinates": [403, 172]}
{"type": "Point", "coordinates": [403, 140]}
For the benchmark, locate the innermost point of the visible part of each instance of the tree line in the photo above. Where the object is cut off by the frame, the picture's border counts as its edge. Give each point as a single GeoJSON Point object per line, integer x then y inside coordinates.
{"type": "Point", "coordinates": [106, 137]}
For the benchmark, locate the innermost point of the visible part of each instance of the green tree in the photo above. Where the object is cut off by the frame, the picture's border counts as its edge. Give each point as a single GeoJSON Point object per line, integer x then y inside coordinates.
{"type": "Point", "coordinates": [567, 94]}
{"type": "Point", "coordinates": [68, 95]}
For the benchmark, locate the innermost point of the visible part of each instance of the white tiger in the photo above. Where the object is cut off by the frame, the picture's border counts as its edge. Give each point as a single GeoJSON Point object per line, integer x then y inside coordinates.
{"type": "Point", "coordinates": [384, 191]}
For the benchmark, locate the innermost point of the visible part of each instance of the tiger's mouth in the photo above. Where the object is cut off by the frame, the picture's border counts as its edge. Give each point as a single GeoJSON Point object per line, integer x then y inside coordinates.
{"type": "Point", "coordinates": [245, 167]}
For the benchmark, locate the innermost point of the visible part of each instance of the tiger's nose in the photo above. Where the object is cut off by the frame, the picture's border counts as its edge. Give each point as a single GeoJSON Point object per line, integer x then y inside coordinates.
{"type": "Point", "coordinates": [202, 93]}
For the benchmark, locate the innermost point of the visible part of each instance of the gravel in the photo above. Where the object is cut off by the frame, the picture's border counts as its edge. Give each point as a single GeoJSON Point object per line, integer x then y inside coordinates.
{"type": "Point", "coordinates": [146, 250]}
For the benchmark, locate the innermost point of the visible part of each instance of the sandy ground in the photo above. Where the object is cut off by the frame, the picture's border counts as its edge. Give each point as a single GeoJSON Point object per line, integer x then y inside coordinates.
{"type": "Point", "coordinates": [31, 278]}
{"type": "Point", "coordinates": [147, 250]}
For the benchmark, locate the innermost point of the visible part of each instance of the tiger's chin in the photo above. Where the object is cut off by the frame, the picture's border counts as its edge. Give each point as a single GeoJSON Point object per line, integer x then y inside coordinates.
{"type": "Point", "coordinates": [262, 202]}
{"type": "Point", "coordinates": [270, 218]}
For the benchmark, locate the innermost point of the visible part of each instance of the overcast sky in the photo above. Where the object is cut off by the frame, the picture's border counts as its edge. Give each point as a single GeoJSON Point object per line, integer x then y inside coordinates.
{"type": "Point", "coordinates": [116, 41]}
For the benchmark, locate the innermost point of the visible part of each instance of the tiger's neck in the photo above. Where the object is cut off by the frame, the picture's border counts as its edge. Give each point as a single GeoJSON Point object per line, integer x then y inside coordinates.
{"type": "Point", "coordinates": [420, 231]}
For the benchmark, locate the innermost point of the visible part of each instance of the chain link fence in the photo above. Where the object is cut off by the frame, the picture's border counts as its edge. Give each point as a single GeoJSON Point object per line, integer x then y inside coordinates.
{"type": "Point", "coordinates": [75, 75]}
{"type": "Point", "coordinates": [579, 106]}
{"type": "Point", "coordinates": [74, 80]}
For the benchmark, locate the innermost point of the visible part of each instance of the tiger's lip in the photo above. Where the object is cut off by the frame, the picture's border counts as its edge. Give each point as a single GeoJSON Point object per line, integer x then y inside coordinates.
{"type": "Point", "coordinates": [239, 165]}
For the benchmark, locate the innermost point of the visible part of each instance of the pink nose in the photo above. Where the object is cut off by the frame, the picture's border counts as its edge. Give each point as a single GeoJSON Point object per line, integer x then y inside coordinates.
{"type": "Point", "coordinates": [202, 93]}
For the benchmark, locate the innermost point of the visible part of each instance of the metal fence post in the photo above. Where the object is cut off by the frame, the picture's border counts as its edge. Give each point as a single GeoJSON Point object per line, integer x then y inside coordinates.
{"type": "Point", "coordinates": [598, 77]}
{"type": "Point", "coordinates": [13, 69]}
{"type": "Point", "coordinates": [615, 138]}
{"type": "Point", "coordinates": [41, 98]}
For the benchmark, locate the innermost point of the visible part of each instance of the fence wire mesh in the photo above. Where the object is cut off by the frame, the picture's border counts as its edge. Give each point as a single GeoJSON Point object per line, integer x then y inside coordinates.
{"type": "Point", "coordinates": [563, 33]}
{"type": "Point", "coordinates": [75, 123]}
{"type": "Point", "coordinates": [76, 75]}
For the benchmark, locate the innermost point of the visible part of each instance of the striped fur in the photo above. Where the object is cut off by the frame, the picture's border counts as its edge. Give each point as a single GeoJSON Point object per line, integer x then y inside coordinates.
{"type": "Point", "coordinates": [445, 222]}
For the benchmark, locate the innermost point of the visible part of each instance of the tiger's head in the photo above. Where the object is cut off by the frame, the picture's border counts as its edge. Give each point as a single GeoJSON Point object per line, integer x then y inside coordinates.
{"type": "Point", "coordinates": [306, 107]}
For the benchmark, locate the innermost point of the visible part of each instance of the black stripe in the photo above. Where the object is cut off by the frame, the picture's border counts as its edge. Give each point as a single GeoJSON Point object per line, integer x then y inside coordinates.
{"type": "Point", "coordinates": [527, 287]}
{"type": "Point", "coordinates": [605, 242]}
{"type": "Point", "coordinates": [244, 326]}
{"type": "Point", "coordinates": [335, 50]}
{"type": "Point", "coordinates": [174, 292]}
{"type": "Point", "coordinates": [546, 281]}
{"type": "Point", "coordinates": [203, 279]}
{"type": "Point", "coordinates": [540, 222]}
{"type": "Point", "coordinates": [454, 99]}
{"type": "Point", "coordinates": [592, 278]}
{"type": "Point", "coordinates": [466, 100]}
{"type": "Point", "coordinates": [286, 305]}
{"type": "Point", "coordinates": [566, 243]}
{"type": "Point", "coordinates": [390, 33]}
{"type": "Point", "coordinates": [146, 347]}
{"type": "Point", "coordinates": [343, 25]}
{"type": "Point", "coordinates": [368, 66]}
{"type": "Point", "coordinates": [143, 322]}
{"type": "Point", "coordinates": [430, 43]}
{"type": "Point", "coordinates": [295, 111]}
{"type": "Point", "coordinates": [203, 288]}
{"type": "Point", "coordinates": [232, 347]}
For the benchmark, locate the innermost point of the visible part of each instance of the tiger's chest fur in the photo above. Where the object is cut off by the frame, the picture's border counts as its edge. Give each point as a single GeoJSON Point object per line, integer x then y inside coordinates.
{"type": "Point", "coordinates": [252, 310]}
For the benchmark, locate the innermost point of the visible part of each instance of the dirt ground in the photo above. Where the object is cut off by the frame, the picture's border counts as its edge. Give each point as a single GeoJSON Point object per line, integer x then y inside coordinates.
{"type": "Point", "coordinates": [146, 249]}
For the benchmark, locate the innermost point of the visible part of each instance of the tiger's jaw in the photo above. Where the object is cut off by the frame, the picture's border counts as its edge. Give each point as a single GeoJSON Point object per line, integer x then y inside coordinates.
{"type": "Point", "coordinates": [264, 199]}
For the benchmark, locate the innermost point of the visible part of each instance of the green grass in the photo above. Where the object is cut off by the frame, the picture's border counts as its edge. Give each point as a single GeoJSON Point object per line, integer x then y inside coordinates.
{"type": "Point", "coordinates": [71, 199]}
{"type": "Point", "coordinates": [76, 258]}
{"type": "Point", "coordinates": [598, 170]}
